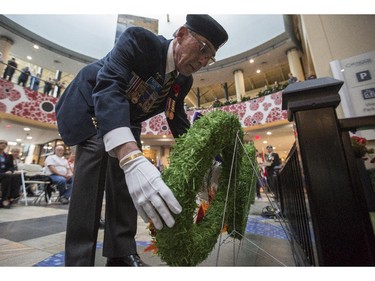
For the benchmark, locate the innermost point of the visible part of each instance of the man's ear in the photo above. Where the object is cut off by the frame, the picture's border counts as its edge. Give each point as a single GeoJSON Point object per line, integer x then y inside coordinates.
{"type": "Point", "coordinates": [181, 33]}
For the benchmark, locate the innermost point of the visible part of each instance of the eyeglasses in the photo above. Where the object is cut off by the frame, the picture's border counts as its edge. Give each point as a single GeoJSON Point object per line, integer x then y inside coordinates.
{"type": "Point", "coordinates": [205, 50]}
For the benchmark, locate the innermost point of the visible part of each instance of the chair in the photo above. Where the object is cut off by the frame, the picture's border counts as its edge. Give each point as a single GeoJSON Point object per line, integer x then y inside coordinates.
{"type": "Point", "coordinates": [32, 174]}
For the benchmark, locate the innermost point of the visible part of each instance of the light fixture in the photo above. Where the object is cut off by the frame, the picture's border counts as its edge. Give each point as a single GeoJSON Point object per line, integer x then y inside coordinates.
{"type": "Point", "coordinates": [251, 60]}
{"type": "Point", "coordinates": [258, 70]}
{"type": "Point", "coordinates": [36, 46]}
{"type": "Point", "coordinates": [29, 57]}
{"type": "Point", "coordinates": [29, 137]}
{"type": "Point", "coordinates": [26, 129]}
{"type": "Point", "coordinates": [269, 133]}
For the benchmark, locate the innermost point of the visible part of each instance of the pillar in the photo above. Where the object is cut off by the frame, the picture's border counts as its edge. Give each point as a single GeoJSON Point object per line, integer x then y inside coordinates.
{"type": "Point", "coordinates": [198, 98]}
{"type": "Point", "coordinates": [225, 88]}
{"type": "Point", "coordinates": [5, 45]}
{"type": "Point", "coordinates": [239, 84]}
{"type": "Point", "coordinates": [295, 64]}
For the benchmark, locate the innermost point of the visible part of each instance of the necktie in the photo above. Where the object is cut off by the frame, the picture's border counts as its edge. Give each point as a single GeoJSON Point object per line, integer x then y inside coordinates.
{"type": "Point", "coordinates": [168, 81]}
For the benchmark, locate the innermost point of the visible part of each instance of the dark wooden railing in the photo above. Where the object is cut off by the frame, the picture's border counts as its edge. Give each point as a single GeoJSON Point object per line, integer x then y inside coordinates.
{"type": "Point", "coordinates": [320, 190]}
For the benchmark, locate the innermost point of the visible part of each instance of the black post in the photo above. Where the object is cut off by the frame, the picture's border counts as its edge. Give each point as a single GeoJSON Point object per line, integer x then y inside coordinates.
{"type": "Point", "coordinates": [341, 223]}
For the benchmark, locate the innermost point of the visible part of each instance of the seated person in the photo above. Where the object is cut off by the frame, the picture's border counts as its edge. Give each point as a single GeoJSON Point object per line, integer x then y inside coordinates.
{"type": "Point", "coordinates": [57, 168]}
{"type": "Point", "coordinates": [10, 182]}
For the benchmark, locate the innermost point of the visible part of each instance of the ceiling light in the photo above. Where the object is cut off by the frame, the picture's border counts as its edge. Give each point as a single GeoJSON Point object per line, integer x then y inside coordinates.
{"type": "Point", "coordinates": [29, 137]}
{"type": "Point", "coordinates": [18, 140]}
{"type": "Point", "coordinates": [265, 141]}
{"type": "Point", "coordinates": [251, 60]}
{"type": "Point", "coordinates": [164, 136]}
{"type": "Point", "coordinates": [12, 143]}
{"type": "Point", "coordinates": [258, 70]}
{"type": "Point", "coordinates": [269, 133]}
{"type": "Point", "coordinates": [29, 57]}
{"type": "Point", "coordinates": [36, 46]}
{"type": "Point", "coordinates": [26, 129]}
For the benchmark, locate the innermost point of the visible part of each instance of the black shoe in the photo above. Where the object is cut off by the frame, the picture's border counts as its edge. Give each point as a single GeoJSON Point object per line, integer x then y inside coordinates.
{"type": "Point", "coordinates": [132, 260]}
{"type": "Point", "coordinates": [63, 200]}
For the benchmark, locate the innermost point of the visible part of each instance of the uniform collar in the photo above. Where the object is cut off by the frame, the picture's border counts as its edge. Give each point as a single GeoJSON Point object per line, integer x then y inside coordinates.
{"type": "Point", "coordinates": [170, 66]}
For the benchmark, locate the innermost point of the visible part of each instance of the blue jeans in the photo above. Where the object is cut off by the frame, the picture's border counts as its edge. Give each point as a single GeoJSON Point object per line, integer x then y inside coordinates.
{"type": "Point", "coordinates": [64, 186]}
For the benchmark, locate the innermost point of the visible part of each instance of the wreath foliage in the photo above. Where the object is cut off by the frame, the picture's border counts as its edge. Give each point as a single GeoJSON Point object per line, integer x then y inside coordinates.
{"type": "Point", "coordinates": [187, 243]}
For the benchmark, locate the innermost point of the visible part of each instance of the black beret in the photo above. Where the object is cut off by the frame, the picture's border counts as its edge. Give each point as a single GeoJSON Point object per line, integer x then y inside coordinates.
{"type": "Point", "coordinates": [207, 27]}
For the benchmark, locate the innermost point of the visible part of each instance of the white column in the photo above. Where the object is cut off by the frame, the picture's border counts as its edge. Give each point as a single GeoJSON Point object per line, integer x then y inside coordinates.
{"type": "Point", "coordinates": [239, 84]}
{"type": "Point", "coordinates": [295, 64]}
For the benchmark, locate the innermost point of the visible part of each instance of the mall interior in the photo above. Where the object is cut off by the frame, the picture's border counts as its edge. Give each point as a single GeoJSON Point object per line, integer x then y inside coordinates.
{"type": "Point", "coordinates": [250, 75]}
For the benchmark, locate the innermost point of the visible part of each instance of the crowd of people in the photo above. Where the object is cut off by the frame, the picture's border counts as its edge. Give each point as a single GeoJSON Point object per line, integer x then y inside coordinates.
{"type": "Point", "coordinates": [32, 81]}
{"type": "Point", "coordinates": [57, 168]}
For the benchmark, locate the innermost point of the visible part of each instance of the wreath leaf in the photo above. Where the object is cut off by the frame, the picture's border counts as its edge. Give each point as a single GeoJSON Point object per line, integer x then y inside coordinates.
{"type": "Point", "coordinates": [187, 243]}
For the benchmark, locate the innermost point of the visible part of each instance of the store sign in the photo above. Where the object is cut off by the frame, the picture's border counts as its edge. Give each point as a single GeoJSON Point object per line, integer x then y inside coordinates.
{"type": "Point", "coordinates": [358, 92]}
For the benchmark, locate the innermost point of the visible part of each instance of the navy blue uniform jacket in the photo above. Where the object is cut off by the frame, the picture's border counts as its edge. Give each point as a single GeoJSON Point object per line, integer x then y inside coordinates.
{"type": "Point", "coordinates": [101, 90]}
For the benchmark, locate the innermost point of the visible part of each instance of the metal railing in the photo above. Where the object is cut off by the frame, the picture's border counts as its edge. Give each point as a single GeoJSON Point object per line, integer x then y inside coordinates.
{"type": "Point", "coordinates": [321, 192]}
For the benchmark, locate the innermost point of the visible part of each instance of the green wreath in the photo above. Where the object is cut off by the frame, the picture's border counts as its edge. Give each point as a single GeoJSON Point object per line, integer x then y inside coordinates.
{"type": "Point", "coordinates": [187, 243]}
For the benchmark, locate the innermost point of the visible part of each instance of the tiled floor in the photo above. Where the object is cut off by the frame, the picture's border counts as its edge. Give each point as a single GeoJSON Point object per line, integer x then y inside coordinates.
{"type": "Point", "coordinates": [34, 236]}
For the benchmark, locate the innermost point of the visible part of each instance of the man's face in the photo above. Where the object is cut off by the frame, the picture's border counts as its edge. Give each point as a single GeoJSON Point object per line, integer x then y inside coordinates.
{"type": "Point", "coordinates": [192, 52]}
{"type": "Point", "coordinates": [3, 145]}
{"type": "Point", "coordinates": [59, 151]}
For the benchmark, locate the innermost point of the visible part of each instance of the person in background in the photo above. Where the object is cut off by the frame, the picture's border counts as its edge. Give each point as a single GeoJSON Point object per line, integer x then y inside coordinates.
{"type": "Point", "coordinates": [259, 182]}
{"type": "Point", "coordinates": [273, 160]}
{"type": "Point", "coordinates": [10, 182]}
{"type": "Point", "coordinates": [16, 153]}
{"type": "Point", "coordinates": [10, 69]}
{"type": "Point", "coordinates": [57, 168]}
{"type": "Point", "coordinates": [101, 112]}
{"type": "Point", "coordinates": [292, 79]}
{"type": "Point", "coordinates": [34, 82]}
{"type": "Point", "coordinates": [47, 86]}
{"type": "Point", "coordinates": [71, 160]}
{"type": "Point", "coordinates": [24, 76]}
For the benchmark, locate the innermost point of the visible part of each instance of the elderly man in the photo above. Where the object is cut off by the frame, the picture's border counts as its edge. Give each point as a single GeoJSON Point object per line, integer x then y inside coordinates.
{"type": "Point", "coordinates": [101, 112]}
{"type": "Point", "coordinates": [57, 168]}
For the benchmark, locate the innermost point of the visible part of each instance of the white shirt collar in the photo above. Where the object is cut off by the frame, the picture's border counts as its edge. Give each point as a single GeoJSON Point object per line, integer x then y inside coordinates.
{"type": "Point", "coordinates": [170, 66]}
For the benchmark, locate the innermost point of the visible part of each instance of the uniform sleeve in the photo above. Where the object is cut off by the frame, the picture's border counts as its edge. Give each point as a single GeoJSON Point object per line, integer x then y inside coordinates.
{"type": "Point", "coordinates": [112, 108]}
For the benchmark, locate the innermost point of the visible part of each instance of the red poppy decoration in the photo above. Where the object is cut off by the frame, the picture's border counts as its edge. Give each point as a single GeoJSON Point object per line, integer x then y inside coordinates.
{"type": "Point", "coordinates": [176, 89]}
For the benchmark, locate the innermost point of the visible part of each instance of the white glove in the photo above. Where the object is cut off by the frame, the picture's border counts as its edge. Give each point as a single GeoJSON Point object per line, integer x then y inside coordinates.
{"type": "Point", "coordinates": [149, 192]}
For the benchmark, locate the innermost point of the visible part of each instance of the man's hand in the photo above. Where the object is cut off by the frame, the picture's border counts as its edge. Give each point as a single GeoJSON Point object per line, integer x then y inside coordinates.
{"type": "Point", "coordinates": [151, 196]}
